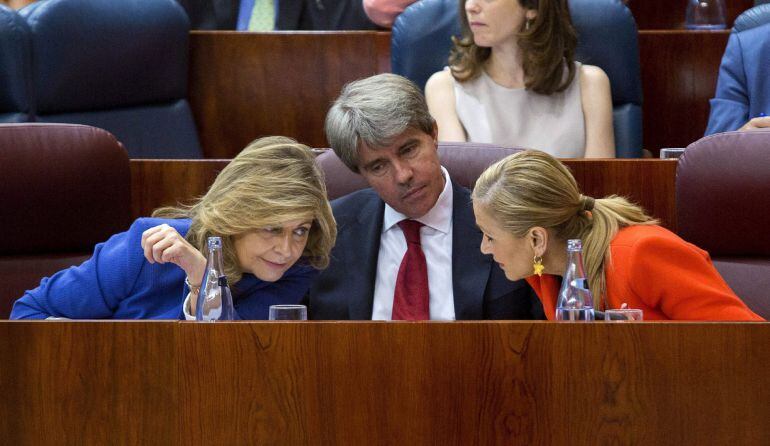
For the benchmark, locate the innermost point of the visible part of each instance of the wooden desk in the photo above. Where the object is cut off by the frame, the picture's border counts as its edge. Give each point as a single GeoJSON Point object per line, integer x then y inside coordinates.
{"type": "Point", "coordinates": [247, 85]}
{"type": "Point", "coordinates": [669, 14]}
{"type": "Point", "coordinates": [384, 383]}
{"type": "Point", "coordinates": [650, 182]}
{"type": "Point", "coordinates": [679, 76]}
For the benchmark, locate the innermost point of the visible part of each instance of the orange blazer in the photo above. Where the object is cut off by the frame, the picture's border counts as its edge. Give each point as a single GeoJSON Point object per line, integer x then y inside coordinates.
{"type": "Point", "coordinates": [653, 269]}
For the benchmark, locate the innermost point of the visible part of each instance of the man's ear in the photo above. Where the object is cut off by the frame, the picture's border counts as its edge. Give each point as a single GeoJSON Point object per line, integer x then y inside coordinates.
{"type": "Point", "coordinates": [435, 132]}
{"type": "Point", "coordinates": [538, 237]}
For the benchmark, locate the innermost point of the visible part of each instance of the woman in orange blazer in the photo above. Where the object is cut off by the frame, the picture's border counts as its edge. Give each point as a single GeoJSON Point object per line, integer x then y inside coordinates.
{"type": "Point", "coordinates": [528, 205]}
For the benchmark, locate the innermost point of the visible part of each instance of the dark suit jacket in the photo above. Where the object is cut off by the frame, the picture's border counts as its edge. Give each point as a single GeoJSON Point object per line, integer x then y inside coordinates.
{"type": "Point", "coordinates": [318, 15]}
{"type": "Point", "coordinates": [211, 14]}
{"type": "Point", "coordinates": [322, 15]}
{"type": "Point", "coordinates": [345, 290]}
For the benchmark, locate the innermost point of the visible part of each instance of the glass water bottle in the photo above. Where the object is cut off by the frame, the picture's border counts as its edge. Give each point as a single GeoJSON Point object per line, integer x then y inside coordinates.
{"type": "Point", "coordinates": [575, 302]}
{"type": "Point", "coordinates": [705, 15]}
{"type": "Point", "coordinates": [215, 302]}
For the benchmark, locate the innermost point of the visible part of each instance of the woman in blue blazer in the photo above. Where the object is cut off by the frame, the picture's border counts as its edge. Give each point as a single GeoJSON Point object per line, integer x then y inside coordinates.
{"type": "Point", "coordinates": [270, 207]}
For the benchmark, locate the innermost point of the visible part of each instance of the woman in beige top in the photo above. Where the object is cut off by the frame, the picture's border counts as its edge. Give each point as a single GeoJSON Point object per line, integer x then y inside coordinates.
{"type": "Point", "coordinates": [512, 80]}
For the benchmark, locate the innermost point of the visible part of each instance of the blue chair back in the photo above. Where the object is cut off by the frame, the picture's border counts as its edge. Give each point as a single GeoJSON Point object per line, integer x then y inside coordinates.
{"type": "Point", "coordinates": [15, 60]}
{"type": "Point", "coordinates": [607, 38]}
{"type": "Point", "coordinates": [421, 39]}
{"type": "Point", "coordinates": [116, 65]}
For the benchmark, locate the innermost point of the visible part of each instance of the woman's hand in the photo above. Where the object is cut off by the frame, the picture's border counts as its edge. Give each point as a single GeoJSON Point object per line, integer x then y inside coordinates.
{"type": "Point", "coordinates": [163, 244]}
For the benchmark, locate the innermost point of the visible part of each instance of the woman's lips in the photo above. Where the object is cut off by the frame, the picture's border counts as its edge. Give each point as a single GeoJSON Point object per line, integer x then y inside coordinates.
{"type": "Point", "coordinates": [274, 264]}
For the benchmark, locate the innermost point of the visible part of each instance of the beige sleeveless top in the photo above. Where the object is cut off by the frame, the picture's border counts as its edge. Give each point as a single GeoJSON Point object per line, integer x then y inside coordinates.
{"type": "Point", "coordinates": [516, 117]}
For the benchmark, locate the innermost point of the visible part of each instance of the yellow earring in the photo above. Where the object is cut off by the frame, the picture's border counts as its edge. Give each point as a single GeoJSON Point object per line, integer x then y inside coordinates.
{"type": "Point", "coordinates": [537, 265]}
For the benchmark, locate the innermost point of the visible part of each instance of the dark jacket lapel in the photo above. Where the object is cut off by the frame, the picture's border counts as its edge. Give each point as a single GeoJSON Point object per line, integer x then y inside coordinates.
{"type": "Point", "coordinates": [470, 268]}
{"type": "Point", "coordinates": [362, 253]}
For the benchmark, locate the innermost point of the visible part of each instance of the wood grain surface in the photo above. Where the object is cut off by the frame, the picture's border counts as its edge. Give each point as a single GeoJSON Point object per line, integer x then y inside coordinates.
{"type": "Point", "coordinates": [156, 183]}
{"type": "Point", "coordinates": [669, 14]}
{"type": "Point", "coordinates": [75, 383]}
{"type": "Point", "coordinates": [649, 182]}
{"type": "Point", "coordinates": [380, 383]}
{"type": "Point", "coordinates": [247, 85]}
{"type": "Point", "coordinates": [679, 77]}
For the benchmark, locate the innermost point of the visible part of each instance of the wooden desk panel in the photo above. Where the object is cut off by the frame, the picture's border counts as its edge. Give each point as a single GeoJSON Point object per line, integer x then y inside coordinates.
{"type": "Point", "coordinates": [679, 76]}
{"type": "Point", "coordinates": [88, 383]}
{"type": "Point", "coordinates": [669, 14]}
{"type": "Point", "coordinates": [384, 383]}
{"type": "Point", "coordinates": [247, 85]}
{"type": "Point", "coordinates": [649, 182]}
{"type": "Point", "coordinates": [156, 183]}
{"type": "Point", "coordinates": [478, 383]}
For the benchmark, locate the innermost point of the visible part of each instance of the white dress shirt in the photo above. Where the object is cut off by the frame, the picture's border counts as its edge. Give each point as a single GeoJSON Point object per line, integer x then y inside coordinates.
{"type": "Point", "coordinates": [436, 240]}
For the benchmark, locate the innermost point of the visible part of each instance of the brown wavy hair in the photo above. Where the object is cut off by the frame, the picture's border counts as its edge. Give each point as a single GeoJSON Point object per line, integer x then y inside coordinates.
{"type": "Point", "coordinates": [548, 48]}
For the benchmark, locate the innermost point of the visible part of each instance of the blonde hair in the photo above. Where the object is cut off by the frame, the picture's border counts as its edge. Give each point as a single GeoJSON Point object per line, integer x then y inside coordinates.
{"type": "Point", "coordinates": [532, 188]}
{"type": "Point", "coordinates": [272, 181]}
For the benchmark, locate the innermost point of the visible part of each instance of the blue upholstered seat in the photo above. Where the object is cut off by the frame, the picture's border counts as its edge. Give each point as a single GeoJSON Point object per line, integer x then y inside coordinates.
{"type": "Point", "coordinates": [607, 37]}
{"type": "Point", "coordinates": [117, 65]}
{"type": "Point", "coordinates": [15, 59]}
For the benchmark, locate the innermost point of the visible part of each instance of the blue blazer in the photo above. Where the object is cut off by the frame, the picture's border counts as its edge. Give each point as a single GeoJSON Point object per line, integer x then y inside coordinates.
{"type": "Point", "coordinates": [345, 290]}
{"type": "Point", "coordinates": [117, 282]}
{"type": "Point", "coordinates": [743, 87]}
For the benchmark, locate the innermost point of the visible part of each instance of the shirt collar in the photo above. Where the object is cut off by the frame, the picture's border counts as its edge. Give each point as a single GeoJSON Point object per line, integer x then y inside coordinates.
{"type": "Point", "coordinates": [439, 217]}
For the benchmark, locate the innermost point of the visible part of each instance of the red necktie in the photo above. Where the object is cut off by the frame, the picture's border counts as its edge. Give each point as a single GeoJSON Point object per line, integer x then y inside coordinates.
{"type": "Point", "coordinates": [411, 299]}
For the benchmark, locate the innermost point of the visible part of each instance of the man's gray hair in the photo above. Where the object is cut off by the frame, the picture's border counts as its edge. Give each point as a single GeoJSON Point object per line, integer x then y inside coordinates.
{"type": "Point", "coordinates": [374, 111]}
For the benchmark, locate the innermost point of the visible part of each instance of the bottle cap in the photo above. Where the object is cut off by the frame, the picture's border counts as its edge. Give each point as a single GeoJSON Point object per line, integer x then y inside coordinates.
{"type": "Point", "coordinates": [574, 245]}
{"type": "Point", "coordinates": [215, 242]}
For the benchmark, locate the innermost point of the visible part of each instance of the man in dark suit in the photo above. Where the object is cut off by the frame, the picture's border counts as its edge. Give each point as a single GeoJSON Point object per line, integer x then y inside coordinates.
{"type": "Point", "coordinates": [211, 14]}
{"type": "Point", "coordinates": [322, 15]}
{"type": "Point", "coordinates": [313, 15]}
{"type": "Point", "coordinates": [380, 127]}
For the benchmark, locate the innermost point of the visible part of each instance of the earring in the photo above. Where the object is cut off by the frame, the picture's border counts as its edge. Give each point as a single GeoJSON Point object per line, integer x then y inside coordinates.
{"type": "Point", "coordinates": [537, 265]}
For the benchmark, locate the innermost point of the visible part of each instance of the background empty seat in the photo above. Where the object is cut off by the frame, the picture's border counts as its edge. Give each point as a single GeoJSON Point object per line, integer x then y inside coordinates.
{"type": "Point", "coordinates": [723, 206]}
{"type": "Point", "coordinates": [117, 65]}
{"type": "Point", "coordinates": [64, 188]}
{"type": "Point", "coordinates": [15, 59]}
